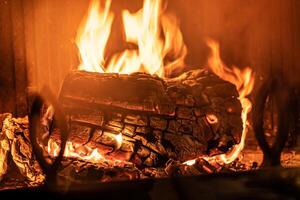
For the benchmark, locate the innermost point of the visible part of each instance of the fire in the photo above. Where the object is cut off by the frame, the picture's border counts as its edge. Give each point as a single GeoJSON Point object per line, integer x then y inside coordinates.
{"type": "Point", "coordinates": [73, 150]}
{"type": "Point", "coordinates": [156, 34]}
{"type": "Point", "coordinates": [158, 38]}
{"type": "Point", "coordinates": [190, 162]}
{"type": "Point", "coordinates": [93, 35]}
{"type": "Point", "coordinates": [142, 28]}
{"type": "Point", "coordinates": [119, 140]}
{"type": "Point", "coordinates": [243, 79]}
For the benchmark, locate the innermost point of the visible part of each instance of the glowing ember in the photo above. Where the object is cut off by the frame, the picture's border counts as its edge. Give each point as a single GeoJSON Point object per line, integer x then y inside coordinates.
{"type": "Point", "coordinates": [144, 28]}
{"type": "Point", "coordinates": [212, 119]}
{"type": "Point", "coordinates": [119, 140]}
{"type": "Point", "coordinates": [190, 162]}
{"type": "Point", "coordinates": [72, 150]}
{"type": "Point", "coordinates": [92, 155]}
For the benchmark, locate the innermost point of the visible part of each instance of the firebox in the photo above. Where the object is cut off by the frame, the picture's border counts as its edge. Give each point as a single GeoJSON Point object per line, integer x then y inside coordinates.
{"type": "Point", "coordinates": [122, 99]}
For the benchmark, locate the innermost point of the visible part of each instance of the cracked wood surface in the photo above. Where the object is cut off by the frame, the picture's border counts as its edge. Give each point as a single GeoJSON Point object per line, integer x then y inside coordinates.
{"type": "Point", "coordinates": [160, 119]}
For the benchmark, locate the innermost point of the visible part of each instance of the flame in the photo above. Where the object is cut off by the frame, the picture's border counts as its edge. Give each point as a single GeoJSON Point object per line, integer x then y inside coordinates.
{"type": "Point", "coordinates": [142, 28]}
{"type": "Point", "coordinates": [243, 79]}
{"type": "Point", "coordinates": [92, 155]}
{"type": "Point", "coordinates": [119, 140]}
{"type": "Point", "coordinates": [190, 162]}
{"type": "Point", "coordinates": [93, 35]}
{"type": "Point", "coordinates": [72, 150]}
{"type": "Point", "coordinates": [160, 50]}
{"type": "Point", "coordinates": [156, 34]}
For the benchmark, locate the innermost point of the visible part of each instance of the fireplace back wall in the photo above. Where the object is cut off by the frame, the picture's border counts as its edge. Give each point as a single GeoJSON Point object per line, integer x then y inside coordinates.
{"type": "Point", "coordinates": [37, 39]}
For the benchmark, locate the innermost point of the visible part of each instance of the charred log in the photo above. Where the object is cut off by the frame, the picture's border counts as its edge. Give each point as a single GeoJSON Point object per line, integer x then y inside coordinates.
{"type": "Point", "coordinates": [162, 122]}
{"type": "Point", "coordinates": [192, 115]}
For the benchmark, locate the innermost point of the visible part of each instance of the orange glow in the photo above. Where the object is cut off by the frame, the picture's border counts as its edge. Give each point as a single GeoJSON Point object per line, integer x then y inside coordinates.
{"type": "Point", "coordinates": [212, 119]}
{"type": "Point", "coordinates": [190, 162]}
{"type": "Point", "coordinates": [93, 34]}
{"type": "Point", "coordinates": [119, 140]}
{"type": "Point", "coordinates": [160, 50]}
{"type": "Point", "coordinates": [142, 28]}
{"type": "Point", "coordinates": [73, 150]}
{"type": "Point", "coordinates": [155, 33]}
{"type": "Point", "coordinates": [92, 155]}
{"type": "Point", "coordinates": [243, 79]}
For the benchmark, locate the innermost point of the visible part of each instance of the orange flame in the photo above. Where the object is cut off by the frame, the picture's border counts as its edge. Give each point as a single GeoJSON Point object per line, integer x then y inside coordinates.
{"type": "Point", "coordinates": [119, 140]}
{"type": "Point", "coordinates": [158, 38]}
{"type": "Point", "coordinates": [72, 150]}
{"type": "Point", "coordinates": [190, 162]}
{"type": "Point", "coordinates": [92, 36]}
{"type": "Point", "coordinates": [142, 28]}
{"type": "Point", "coordinates": [156, 34]}
{"type": "Point", "coordinates": [243, 79]}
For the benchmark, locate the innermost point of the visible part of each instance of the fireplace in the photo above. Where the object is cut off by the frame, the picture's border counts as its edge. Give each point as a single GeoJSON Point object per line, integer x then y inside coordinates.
{"type": "Point", "coordinates": [105, 97]}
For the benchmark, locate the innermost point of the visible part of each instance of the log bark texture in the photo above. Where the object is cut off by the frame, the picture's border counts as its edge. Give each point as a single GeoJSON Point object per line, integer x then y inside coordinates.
{"type": "Point", "coordinates": [192, 115]}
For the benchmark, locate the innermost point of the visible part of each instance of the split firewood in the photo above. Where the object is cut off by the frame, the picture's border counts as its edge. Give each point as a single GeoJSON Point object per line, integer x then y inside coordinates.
{"type": "Point", "coordinates": [147, 120]}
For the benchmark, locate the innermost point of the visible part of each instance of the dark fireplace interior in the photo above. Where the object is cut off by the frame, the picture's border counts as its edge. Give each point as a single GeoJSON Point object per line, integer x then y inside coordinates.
{"type": "Point", "coordinates": [150, 99]}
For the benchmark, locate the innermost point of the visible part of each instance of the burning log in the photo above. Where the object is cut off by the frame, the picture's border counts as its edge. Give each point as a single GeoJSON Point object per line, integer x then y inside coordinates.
{"type": "Point", "coordinates": [133, 126]}
{"type": "Point", "coordinates": [147, 120]}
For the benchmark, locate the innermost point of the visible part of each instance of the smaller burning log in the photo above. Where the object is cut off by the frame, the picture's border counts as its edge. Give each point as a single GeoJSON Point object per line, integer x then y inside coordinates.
{"type": "Point", "coordinates": [146, 120]}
